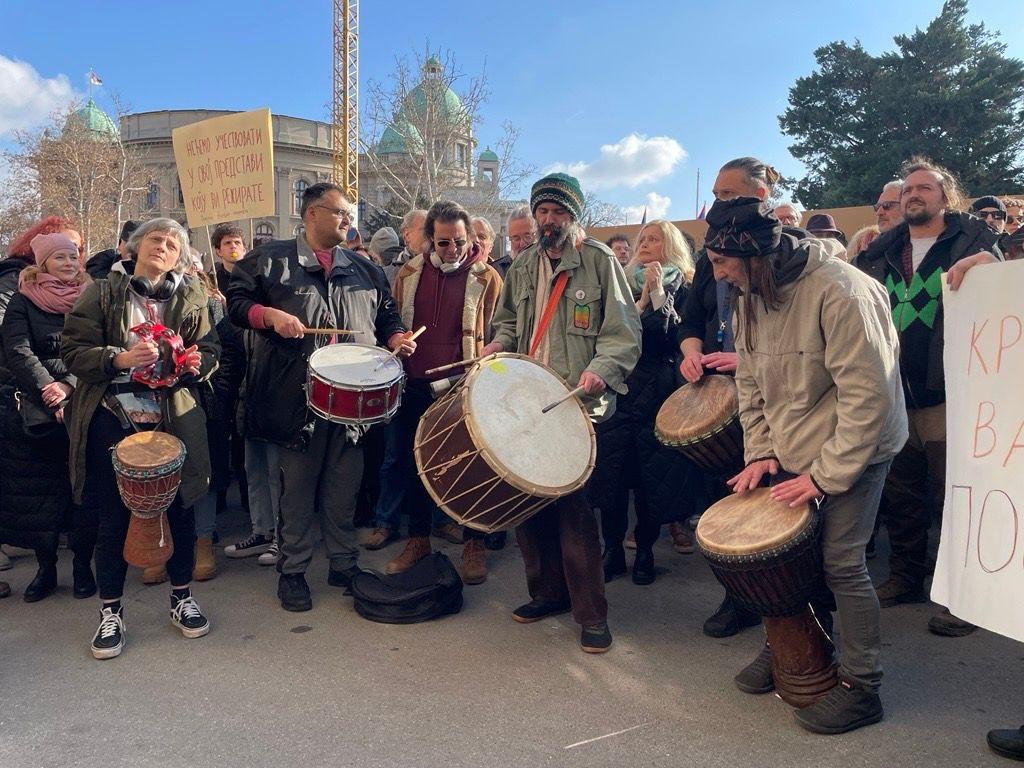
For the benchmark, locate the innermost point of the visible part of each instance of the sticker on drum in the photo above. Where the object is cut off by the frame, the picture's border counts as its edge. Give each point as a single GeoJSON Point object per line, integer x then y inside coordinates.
{"type": "Point", "coordinates": [355, 365]}
{"type": "Point", "coordinates": [550, 451]}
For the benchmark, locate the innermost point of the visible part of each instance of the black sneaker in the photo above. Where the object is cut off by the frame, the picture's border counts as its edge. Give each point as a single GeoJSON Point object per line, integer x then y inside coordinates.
{"type": "Point", "coordinates": [729, 619]}
{"type": "Point", "coordinates": [535, 610]}
{"type": "Point", "coordinates": [256, 544]}
{"type": "Point", "coordinates": [845, 708]}
{"type": "Point", "coordinates": [186, 616]}
{"type": "Point", "coordinates": [1007, 743]}
{"type": "Point", "coordinates": [109, 638]}
{"type": "Point", "coordinates": [293, 592]}
{"type": "Point", "coordinates": [344, 577]}
{"type": "Point", "coordinates": [756, 677]}
{"type": "Point", "coordinates": [596, 638]}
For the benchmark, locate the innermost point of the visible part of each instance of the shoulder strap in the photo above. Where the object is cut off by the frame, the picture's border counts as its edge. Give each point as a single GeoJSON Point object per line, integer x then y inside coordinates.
{"type": "Point", "coordinates": [549, 311]}
{"type": "Point", "coordinates": [104, 288]}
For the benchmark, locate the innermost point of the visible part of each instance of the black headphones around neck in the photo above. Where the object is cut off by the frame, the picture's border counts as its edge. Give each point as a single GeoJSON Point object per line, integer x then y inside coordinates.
{"type": "Point", "coordinates": [144, 287]}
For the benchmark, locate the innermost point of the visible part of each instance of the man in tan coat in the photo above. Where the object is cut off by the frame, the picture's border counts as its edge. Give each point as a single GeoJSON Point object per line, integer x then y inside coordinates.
{"type": "Point", "coordinates": [821, 401]}
{"type": "Point", "coordinates": [452, 292]}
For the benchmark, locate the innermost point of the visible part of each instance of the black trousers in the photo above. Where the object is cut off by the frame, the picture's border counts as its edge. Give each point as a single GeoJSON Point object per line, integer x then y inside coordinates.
{"type": "Point", "coordinates": [101, 498]}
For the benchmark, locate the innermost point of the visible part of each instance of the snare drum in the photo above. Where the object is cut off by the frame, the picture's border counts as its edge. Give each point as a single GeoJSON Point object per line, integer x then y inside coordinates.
{"type": "Point", "coordinates": [354, 384]}
{"type": "Point", "coordinates": [488, 456]}
{"type": "Point", "coordinates": [768, 557]}
{"type": "Point", "coordinates": [147, 466]}
{"type": "Point", "coordinates": [703, 421]}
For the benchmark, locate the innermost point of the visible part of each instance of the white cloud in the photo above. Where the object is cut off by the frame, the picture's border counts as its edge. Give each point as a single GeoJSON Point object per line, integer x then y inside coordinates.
{"type": "Point", "coordinates": [26, 97]}
{"type": "Point", "coordinates": [630, 162]}
{"type": "Point", "coordinates": [656, 205]}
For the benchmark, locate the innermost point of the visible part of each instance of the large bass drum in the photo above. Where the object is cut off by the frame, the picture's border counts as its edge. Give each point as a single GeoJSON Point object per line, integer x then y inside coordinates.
{"type": "Point", "coordinates": [487, 455]}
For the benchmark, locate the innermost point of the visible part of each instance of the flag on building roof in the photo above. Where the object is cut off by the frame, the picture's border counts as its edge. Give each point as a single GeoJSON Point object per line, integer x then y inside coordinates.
{"type": "Point", "coordinates": [94, 79]}
{"type": "Point", "coordinates": [644, 219]}
{"type": "Point", "coordinates": [703, 210]}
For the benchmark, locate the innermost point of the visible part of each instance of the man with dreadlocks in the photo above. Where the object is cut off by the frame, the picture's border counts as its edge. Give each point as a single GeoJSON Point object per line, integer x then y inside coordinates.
{"type": "Point", "coordinates": [821, 403]}
{"type": "Point", "coordinates": [592, 341]}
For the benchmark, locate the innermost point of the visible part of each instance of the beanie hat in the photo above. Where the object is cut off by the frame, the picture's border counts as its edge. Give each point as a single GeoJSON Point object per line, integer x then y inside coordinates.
{"type": "Point", "coordinates": [44, 246]}
{"type": "Point", "coordinates": [560, 189]}
{"type": "Point", "coordinates": [988, 201]}
{"type": "Point", "coordinates": [742, 227]}
{"type": "Point", "coordinates": [382, 239]}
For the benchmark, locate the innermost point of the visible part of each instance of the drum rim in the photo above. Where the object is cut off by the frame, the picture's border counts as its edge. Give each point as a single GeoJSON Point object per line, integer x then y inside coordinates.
{"type": "Point", "coordinates": [130, 470]}
{"type": "Point", "coordinates": [517, 482]}
{"type": "Point", "coordinates": [351, 387]}
{"type": "Point", "coordinates": [734, 415]}
{"type": "Point", "coordinates": [771, 546]}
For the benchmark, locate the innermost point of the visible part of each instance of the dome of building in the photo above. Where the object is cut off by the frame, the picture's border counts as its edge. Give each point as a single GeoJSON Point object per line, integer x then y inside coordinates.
{"type": "Point", "coordinates": [397, 137]}
{"type": "Point", "coordinates": [488, 156]}
{"type": "Point", "coordinates": [95, 121]}
{"type": "Point", "coordinates": [449, 102]}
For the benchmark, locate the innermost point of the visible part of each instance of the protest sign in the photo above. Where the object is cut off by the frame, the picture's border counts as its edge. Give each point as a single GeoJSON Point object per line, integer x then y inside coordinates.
{"type": "Point", "coordinates": [979, 574]}
{"type": "Point", "coordinates": [226, 167]}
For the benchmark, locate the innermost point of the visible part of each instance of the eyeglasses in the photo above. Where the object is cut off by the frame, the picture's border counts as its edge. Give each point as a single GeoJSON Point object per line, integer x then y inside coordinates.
{"type": "Point", "coordinates": [1019, 219]}
{"type": "Point", "coordinates": [340, 213]}
{"type": "Point", "coordinates": [997, 215]}
{"type": "Point", "coordinates": [888, 205]}
{"type": "Point", "coordinates": [445, 244]}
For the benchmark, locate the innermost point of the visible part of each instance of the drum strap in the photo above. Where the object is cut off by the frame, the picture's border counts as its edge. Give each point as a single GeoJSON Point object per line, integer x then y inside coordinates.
{"type": "Point", "coordinates": [549, 311]}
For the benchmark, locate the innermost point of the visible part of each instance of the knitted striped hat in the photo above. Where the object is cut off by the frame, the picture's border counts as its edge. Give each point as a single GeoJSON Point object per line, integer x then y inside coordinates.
{"type": "Point", "coordinates": [560, 189]}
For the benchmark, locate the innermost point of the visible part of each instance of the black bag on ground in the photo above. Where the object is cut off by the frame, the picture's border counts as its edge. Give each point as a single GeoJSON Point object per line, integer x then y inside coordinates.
{"type": "Point", "coordinates": [429, 589]}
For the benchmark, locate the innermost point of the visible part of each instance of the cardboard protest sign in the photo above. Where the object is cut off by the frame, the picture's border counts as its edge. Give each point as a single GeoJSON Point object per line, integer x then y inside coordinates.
{"type": "Point", "coordinates": [980, 568]}
{"type": "Point", "coordinates": [226, 167]}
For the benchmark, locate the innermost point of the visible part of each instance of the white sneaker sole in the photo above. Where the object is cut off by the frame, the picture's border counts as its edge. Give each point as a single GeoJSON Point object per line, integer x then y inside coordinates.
{"type": "Point", "coordinates": [239, 554]}
{"type": "Point", "coordinates": [192, 633]}
{"type": "Point", "coordinates": [108, 653]}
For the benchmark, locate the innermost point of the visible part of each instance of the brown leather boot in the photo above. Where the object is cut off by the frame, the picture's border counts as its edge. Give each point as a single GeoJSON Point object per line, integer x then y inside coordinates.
{"type": "Point", "coordinates": [682, 539]}
{"type": "Point", "coordinates": [474, 562]}
{"type": "Point", "coordinates": [155, 574]}
{"type": "Point", "coordinates": [206, 566]}
{"type": "Point", "coordinates": [415, 550]}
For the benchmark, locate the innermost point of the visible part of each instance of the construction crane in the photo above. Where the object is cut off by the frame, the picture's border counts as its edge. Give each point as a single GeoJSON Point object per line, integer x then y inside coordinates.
{"type": "Point", "coordinates": [345, 106]}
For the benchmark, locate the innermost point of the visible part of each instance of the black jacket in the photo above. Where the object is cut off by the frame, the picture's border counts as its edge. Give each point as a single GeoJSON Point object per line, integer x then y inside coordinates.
{"type": "Point", "coordinates": [285, 275]}
{"type": "Point", "coordinates": [99, 264]}
{"type": "Point", "coordinates": [917, 308]}
{"type": "Point", "coordinates": [502, 265]}
{"type": "Point", "coordinates": [36, 493]}
{"type": "Point", "coordinates": [10, 268]}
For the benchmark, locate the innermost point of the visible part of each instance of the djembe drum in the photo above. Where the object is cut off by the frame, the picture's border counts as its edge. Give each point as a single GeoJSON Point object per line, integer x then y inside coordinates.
{"type": "Point", "coordinates": [148, 470]}
{"type": "Point", "coordinates": [702, 421]}
{"type": "Point", "coordinates": [768, 557]}
{"type": "Point", "coordinates": [487, 454]}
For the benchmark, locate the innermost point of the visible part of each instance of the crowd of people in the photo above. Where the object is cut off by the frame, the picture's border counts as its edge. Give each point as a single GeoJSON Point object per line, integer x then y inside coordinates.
{"type": "Point", "coordinates": [841, 394]}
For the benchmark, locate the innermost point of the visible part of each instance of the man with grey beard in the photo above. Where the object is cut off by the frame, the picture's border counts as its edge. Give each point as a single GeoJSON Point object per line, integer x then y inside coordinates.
{"type": "Point", "coordinates": [592, 341]}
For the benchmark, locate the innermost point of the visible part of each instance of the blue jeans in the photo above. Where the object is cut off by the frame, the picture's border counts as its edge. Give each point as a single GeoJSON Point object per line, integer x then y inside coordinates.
{"type": "Point", "coordinates": [206, 516]}
{"type": "Point", "coordinates": [395, 472]}
{"type": "Point", "coordinates": [263, 468]}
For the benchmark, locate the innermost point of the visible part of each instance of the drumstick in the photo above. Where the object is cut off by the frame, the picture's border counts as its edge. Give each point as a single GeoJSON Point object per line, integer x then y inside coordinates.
{"type": "Point", "coordinates": [394, 354]}
{"type": "Point", "coordinates": [574, 393]}
{"type": "Point", "coordinates": [448, 367]}
{"type": "Point", "coordinates": [325, 331]}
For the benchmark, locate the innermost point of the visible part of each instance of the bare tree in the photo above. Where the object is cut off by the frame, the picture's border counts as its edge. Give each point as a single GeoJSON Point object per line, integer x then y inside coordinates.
{"type": "Point", "coordinates": [597, 213]}
{"type": "Point", "coordinates": [70, 169]}
{"type": "Point", "coordinates": [422, 140]}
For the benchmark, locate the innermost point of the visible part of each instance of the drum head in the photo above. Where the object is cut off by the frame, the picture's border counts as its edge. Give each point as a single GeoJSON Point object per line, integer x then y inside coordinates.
{"type": "Point", "coordinates": [751, 523]}
{"type": "Point", "coordinates": [696, 410]}
{"type": "Point", "coordinates": [149, 450]}
{"type": "Point", "coordinates": [355, 365]}
{"type": "Point", "coordinates": [554, 451]}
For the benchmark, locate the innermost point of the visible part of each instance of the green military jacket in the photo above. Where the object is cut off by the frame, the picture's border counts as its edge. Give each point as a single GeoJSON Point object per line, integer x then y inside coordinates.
{"type": "Point", "coordinates": [95, 333]}
{"type": "Point", "coordinates": [596, 326]}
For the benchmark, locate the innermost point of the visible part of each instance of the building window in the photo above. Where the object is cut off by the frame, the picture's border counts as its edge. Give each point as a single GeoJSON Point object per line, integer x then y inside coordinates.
{"type": "Point", "coordinates": [488, 174]}
{"type": "Point", "coordinates": [460, 153]}
{"type": "Point", "coordinates": [298, 230]}
{"type": "Point", "coordinates": [264, 233]}
{"type": "Point", "coordinates": [181, 197]}
{"type": "Point", "coordinates": [153, 196]}
{"type": "Point", "coordinates": [300, 186]}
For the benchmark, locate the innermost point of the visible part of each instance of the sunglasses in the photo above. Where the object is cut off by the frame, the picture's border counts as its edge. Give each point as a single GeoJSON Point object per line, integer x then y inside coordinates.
{"type": "Point", "coordinates": [445, 244]}
{"type": "Point", "coordinates": [888, 205]}
{"type": "Point", "coordinates": [1015, 219]}
{"type": "Point", "coordinates": [997, 215]}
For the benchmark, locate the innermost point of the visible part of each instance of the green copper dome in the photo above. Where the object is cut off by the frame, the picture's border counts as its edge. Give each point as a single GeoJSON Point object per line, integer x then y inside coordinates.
{"type": "Point", "coordinates": [97, 122]}
{"type": "Point", "coordinates": [397, 137]}
{"type": "Point", "coordinates": [488, 156]}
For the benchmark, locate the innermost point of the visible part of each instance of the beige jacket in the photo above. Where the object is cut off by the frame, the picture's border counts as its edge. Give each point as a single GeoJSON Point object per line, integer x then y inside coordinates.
{"type": "Point", "coordinates": [820, 391]}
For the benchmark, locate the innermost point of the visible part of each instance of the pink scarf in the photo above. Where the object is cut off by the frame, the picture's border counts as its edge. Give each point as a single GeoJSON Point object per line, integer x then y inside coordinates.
{"type": "Point", "coordinates": [49, 293]}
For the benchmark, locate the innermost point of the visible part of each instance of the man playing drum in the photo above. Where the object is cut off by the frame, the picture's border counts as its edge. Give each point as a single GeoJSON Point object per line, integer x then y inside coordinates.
{"type": "Point", "coordinates": [280, 289]}
{"type": "Point", "coordinates": [821, 400]}
{"type": "Point", "coordinates": [585, 327]}
{"type": "Point", "coordinates": [452, 292]}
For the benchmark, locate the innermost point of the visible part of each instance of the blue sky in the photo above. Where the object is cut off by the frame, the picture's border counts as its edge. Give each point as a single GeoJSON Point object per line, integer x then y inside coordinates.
{"type": "Point", "coordinates": [643, 80]}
